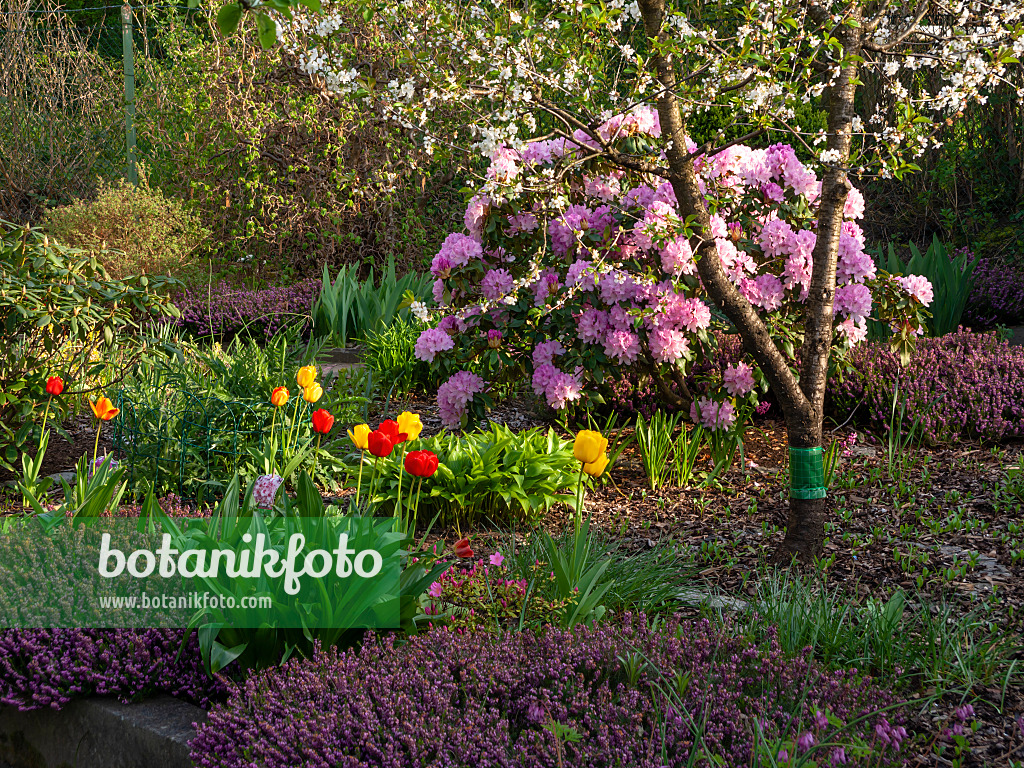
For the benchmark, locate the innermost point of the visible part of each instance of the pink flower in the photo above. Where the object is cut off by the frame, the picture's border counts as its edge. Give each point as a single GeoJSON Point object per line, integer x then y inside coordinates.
{"type": "Point", "coordinates": [853, 300]}
{"type": "Point", "coordinates": [711, 414]}
{"type": "Point", "coordinates": [770, 292]}
{"type": "Point", "coordinates": [545, 352]}
{"type": "Point", "coordinates": [738, 379]}
{"type": "Point", "coordinates": [668, 345]}
{"type": "Point", "coordinates": [476, 211]}
{"type": "Point", "coordinates": [264, 490]}
{"type": "Point", "coordinates": [460, 249]}
{"type": "Point", "coordinates": [496, 559]}
{"type": "Point", "coordinates": [919, 287]}
{"type": "Point", "coordinates": [435, 590]}
{"type": "Point", "coordinates": [622, 346]}
{"type": "Point", "coordinates": [496, 284]}
{"type": "Point", "coordinates": [430, 342]}
{"type": "Point", "coordinates": [677, 257]}
{"type": "Point", "coordinates": [454, 396]}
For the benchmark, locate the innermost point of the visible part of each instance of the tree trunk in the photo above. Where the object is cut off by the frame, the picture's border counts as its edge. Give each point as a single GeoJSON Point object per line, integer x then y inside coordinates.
{"type": "Point", "coordinates": [802, 401]}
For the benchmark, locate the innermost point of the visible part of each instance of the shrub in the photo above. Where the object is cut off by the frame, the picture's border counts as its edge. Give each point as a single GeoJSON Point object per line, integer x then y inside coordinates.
{"type": "Point", "coordinates": [50, 667]}
{"type": "Point", "coordinates": [225, 311]}
{"type": "Point", "coordinates": [634, 696]}
{"type": "Point", "coordinates": [488, 597]}
{"type": "Point", "coordinates": [62, 314]}
{"type": "Point", "coordinates": [961, 385]}
{"type": "Point", "coordinates": [131, 230]}
{"type": "Point", "coordinates": [595, 274]}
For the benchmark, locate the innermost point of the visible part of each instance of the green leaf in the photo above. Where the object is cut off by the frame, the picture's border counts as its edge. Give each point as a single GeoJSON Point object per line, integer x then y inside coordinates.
{"type": "Point", "coordinates": [228, 17]}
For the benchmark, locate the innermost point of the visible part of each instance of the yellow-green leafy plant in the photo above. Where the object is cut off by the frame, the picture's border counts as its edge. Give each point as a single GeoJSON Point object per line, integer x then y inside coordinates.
{"type": "Point", "coordinates": [132, 230]}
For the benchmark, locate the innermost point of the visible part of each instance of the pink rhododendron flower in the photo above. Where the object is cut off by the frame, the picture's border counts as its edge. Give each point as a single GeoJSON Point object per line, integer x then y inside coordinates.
{"type": "Point", "coordinates": [738, 379]}
{"type": "Point", "coordinates": [668, 345]}
{"type": "Point", "coordinates": [430, 342]}
{"type": "Point", "coordinates": [460, 249]}
{"type": "Point", "coordinates": [496, 284]}
{"type": "Point", "coordinates": [919, 287]}
{"type": "Point", "coordinates": [545, 352]}
{"type": "Point", "coordinates": [454, 396]}
{"type": "Point", "coordinates": [853, 300]}
{"type": "Point", "coordinates": [475, 214]}
{"type": "Point", "coordinates": [622, 346]}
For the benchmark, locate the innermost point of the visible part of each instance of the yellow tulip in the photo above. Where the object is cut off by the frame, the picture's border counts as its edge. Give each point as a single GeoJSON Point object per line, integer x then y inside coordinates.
{"type": "Point", "coordinates": [359, 435]}
{"type": "Point", "coordinates": [306, 376]}
{"type": "Point", "coordinates": [589, 445]}
{"type": "Point", "coordinates": [410, 424]}
{"type": "Point", "coordinates": [312, 393]}
{"type": "Point", "coordinates": [596, 468]}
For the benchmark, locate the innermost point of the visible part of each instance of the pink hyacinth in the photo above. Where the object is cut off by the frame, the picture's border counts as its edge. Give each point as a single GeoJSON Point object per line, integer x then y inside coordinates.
{"type": "Point", "coordinates": [711, 414]}
{"type": "Point", "coordinates": [264, 490]}
{"type": "Point", "coordinates": [738, 379]}
{"type": "Point", "coordinates": [430, 342]}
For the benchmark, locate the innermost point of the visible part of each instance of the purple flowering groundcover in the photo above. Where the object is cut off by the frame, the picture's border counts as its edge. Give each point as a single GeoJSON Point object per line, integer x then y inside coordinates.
{"type": "Point", "coordinates": [635, 697]}
{"type": "Point", "coordinates": [51, 667]}
{"type": "Point", "coordinates": [226, 310]}
{"type": "Point", "coordinates": [961, 385]}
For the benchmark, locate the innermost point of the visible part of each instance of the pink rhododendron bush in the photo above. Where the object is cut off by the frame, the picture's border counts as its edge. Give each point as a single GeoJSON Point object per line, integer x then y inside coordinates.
{"type": "Point", "coordinates": [570, 283]}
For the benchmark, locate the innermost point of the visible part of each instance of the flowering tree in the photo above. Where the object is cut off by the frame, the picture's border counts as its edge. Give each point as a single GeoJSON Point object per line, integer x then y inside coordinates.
{"type": "Point", "coordinates": [758, 226]}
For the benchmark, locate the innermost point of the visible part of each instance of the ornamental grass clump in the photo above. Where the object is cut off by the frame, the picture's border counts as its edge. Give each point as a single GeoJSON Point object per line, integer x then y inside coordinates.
{"type": "Point", "coordinates": [964, 384]}
{"type": "Point", "coordinates": [635, 696]}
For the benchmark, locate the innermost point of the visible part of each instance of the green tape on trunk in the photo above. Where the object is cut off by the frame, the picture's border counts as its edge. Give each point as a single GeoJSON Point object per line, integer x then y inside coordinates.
{"type": "Point", "coordinates": [806, 474]}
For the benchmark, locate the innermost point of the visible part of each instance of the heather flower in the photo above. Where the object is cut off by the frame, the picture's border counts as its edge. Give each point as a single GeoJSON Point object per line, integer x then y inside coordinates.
{"type": "Point", "coordinates": [472, 697]}
{"type": "Point", "coordinates": [454, 396]}
{"type": "Point", "coordinates": [430, 342]}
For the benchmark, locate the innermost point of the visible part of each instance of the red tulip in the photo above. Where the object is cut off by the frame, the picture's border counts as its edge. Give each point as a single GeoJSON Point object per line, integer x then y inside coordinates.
{"type": "Point", "coordinates": [462, 548]}
{"type": "Point", "coordinates": [379, 444]}
{"type": "Point", "coordinates": [390, 428]}
{"type": "Point", "coordinates": [54, 385]}
{"type": "Point", "coordinates": [322, 421]}
{"type": "Point", "coordinates": [421, 463]}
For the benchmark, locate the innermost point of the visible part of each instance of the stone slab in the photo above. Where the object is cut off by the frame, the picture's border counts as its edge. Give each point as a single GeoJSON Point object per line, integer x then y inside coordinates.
{"type": "Point", "coordinates": [100, 733]}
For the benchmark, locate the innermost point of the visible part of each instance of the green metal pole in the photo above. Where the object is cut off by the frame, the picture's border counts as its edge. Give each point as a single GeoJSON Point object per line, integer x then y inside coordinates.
{"type": "Point", "coordinates": [129, 92]}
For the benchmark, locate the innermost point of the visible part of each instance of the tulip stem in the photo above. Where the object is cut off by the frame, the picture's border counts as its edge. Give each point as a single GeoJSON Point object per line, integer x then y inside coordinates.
{"type": "Point", "coordinates": [398, 498]}
{"type": "Point", "coordinates": [46, 413]}
{"type": "Point", "coordinates": [579, 498]}
{"type": "Point", "coordinates": [273, 445]}
{"type": "Point", "coordinates": [96, 446]}
{"type": "Point", "coordinates": [316, 455]}
{"type": "Point", "coordinates": [359, 480]}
